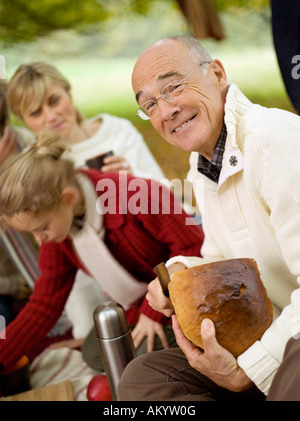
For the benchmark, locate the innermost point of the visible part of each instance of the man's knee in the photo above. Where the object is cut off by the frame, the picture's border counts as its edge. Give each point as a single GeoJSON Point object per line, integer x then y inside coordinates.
{"type": "Point", "coordinates": [130, 384]}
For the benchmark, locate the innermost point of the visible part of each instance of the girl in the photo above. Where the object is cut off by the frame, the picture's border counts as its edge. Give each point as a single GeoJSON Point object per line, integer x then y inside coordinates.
{"type": "Point", "coordinates": [41, 193]}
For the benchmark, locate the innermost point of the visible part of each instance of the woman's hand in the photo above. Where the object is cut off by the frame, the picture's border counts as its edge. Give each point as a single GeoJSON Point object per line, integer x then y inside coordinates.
{"type": "Point", "coordinates": [150, 328]}
{"type": "Point", "coordinates": [115, 163]}
{"type": "Point", "coordinates": [215, 362]}
{"type": "Point", "coordinates": [8, 143]}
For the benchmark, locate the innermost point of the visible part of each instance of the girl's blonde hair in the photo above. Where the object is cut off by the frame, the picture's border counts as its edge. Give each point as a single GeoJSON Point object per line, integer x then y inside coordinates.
{"type": "Point", "coordinates": [29, 85]}
{"type": "Point", "coordinates": [33, 180]}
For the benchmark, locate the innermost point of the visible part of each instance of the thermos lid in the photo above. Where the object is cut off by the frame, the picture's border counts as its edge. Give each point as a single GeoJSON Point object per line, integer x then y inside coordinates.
{"type": "Point", "coordinates": [110, 320]}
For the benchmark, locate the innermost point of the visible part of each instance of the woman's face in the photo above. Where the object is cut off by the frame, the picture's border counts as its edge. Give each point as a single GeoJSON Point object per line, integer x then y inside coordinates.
{"type": "Point", "coordinates": [56, 113]}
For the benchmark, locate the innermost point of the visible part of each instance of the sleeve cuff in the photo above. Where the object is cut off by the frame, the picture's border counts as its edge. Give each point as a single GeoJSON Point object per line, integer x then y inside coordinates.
{"type": "Point", "coordinates": [190, 261]}
{"type": "Point", "coordinates": [259, 366]}
{"type": "Point", "coordinates": [187, 261]}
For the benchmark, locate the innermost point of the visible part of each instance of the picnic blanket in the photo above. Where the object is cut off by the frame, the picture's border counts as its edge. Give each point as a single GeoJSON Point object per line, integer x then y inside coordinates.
{"type": "Point", "coordinates": [57, 365]}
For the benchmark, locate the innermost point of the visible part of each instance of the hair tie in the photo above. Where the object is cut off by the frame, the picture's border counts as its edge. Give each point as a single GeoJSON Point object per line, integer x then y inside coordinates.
{"type": "Point", "coordinates": [42, 151]}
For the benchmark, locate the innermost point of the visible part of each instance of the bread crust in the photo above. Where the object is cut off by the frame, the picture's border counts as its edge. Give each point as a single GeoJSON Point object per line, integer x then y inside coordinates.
{"type": "Point", "coordinates": [231, 294]}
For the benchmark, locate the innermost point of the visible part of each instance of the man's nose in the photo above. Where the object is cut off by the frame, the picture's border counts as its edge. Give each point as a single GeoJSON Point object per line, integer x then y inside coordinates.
{"type": "Point", "coordinates": [167, 110]}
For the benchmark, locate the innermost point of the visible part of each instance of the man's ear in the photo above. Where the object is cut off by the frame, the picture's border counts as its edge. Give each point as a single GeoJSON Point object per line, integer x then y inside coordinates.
{"type": "Point", "coordinates": [68, 195]}
{"type": "Point", "coordinates": [219, 71]}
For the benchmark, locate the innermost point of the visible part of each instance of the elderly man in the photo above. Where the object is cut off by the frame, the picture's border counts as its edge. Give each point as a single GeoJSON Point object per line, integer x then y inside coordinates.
{"type": "Point", "coordinates": [245, 169]}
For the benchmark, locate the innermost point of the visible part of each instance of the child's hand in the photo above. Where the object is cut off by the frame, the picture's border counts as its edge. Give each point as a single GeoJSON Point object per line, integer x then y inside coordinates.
{"type": "Point", "coordinates": [146, 327]}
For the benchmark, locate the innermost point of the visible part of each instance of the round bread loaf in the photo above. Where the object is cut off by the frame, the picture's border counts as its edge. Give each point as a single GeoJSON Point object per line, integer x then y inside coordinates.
{"type": "Point", "coordinates": [231, 294]}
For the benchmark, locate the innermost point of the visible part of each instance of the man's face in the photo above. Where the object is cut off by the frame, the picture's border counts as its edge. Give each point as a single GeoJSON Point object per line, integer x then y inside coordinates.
{"type": "Point", "coordinates": [194, 120]}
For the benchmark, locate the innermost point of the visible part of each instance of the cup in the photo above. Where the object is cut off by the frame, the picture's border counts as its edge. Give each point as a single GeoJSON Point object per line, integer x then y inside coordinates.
{"type": "Point", "coordinates": [97, 161]}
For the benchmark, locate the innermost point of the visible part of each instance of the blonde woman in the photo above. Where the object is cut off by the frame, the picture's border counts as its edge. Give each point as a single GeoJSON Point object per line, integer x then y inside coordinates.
{"type": "Point", "coordinates": [41, 97]}
{"type": "Point", "coordinates": [42, 193]}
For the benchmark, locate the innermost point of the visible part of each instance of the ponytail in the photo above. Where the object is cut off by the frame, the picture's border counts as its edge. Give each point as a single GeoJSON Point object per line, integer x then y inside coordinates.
{"type": "Point", "coordinates": [33, 180]}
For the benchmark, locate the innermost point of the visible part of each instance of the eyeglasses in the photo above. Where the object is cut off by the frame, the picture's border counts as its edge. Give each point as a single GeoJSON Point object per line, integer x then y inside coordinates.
{"type": "Point", "coordinates": [169, 93]}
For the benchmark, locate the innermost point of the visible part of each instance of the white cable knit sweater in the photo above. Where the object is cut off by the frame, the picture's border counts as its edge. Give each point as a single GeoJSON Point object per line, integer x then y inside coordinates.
{"type": "Point", "coordinates": [254, 211]}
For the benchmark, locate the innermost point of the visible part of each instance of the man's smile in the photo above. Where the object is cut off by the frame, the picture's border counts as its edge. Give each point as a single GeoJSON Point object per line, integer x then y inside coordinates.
{"type": "Point", "coordinates": [181, 126]}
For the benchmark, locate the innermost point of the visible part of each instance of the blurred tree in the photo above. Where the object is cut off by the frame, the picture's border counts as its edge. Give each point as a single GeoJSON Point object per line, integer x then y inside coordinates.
{"type": "Point", "coordinates": [25, 20]}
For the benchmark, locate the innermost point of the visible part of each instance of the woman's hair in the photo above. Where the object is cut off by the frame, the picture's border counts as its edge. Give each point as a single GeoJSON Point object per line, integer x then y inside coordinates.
{"type": "Point", "coordinates": [33, 180]}
{"type": "Point", "coordinates": [29, 84]}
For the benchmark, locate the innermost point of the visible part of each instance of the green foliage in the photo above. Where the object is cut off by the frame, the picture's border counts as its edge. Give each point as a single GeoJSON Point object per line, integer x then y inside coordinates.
{"type": "Point", "coordinates": [24, 20]}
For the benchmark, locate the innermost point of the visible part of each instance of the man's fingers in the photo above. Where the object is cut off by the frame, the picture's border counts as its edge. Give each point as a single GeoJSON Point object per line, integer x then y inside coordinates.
{"type": "Point", "coordinates": [157, 300]}
{"type": "Point", "coordinates": [209, 340]}
{"type": "Point", "coordinates": [208, 332]}
{"type": "Point", "coordinates": [186, 346]}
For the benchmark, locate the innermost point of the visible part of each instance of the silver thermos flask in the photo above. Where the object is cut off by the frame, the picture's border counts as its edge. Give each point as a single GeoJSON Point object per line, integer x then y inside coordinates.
{"type": "Point", "coordinates": [115, 341]}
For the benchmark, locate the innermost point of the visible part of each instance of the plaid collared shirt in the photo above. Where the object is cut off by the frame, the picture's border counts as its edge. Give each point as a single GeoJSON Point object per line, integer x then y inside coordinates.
{"type": "Point", "coordinates": [212, 169]}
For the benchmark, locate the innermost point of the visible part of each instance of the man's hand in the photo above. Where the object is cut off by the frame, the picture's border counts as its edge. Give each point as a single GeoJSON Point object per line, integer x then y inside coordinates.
{"type": "Point", "coordinates": [215, 362]}
{"type": "Point", "coordinates": [155, 296]}
{"type": "Point", "coordinates": [8, 144]}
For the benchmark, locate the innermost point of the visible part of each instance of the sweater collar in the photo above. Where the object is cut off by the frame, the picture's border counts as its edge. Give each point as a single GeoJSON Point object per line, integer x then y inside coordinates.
{"type": "Point", "coordinates": [236, 106]}
{"type": "Point", "coordinates": [91, 216]}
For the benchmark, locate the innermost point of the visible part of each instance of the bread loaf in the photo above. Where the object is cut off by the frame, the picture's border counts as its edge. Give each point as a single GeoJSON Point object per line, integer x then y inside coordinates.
{"type": "Point", "coordinates": [231, 294]}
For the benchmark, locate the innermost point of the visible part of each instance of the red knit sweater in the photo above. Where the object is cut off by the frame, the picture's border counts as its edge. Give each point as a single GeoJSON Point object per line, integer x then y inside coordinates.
{"type": "Point", "coordinates": [139, 242]}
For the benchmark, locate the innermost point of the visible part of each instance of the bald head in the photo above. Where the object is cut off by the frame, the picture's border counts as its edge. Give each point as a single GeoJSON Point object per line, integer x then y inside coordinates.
{"type": "Point", "coordinates": [188, 47]}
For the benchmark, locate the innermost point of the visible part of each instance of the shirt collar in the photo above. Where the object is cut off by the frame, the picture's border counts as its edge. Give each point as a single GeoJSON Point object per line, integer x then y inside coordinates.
{"type": "Point", "coordinates": [212, 169]}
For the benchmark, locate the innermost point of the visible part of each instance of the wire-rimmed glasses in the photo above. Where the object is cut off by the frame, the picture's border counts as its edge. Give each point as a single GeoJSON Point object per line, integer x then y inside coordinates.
{"type": "Point", "coordinates": [169, 93]}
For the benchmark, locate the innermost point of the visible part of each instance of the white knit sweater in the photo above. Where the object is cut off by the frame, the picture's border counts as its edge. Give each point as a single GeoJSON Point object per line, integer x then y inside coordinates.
{"type": "Point", "coordinates": [254, 211]}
